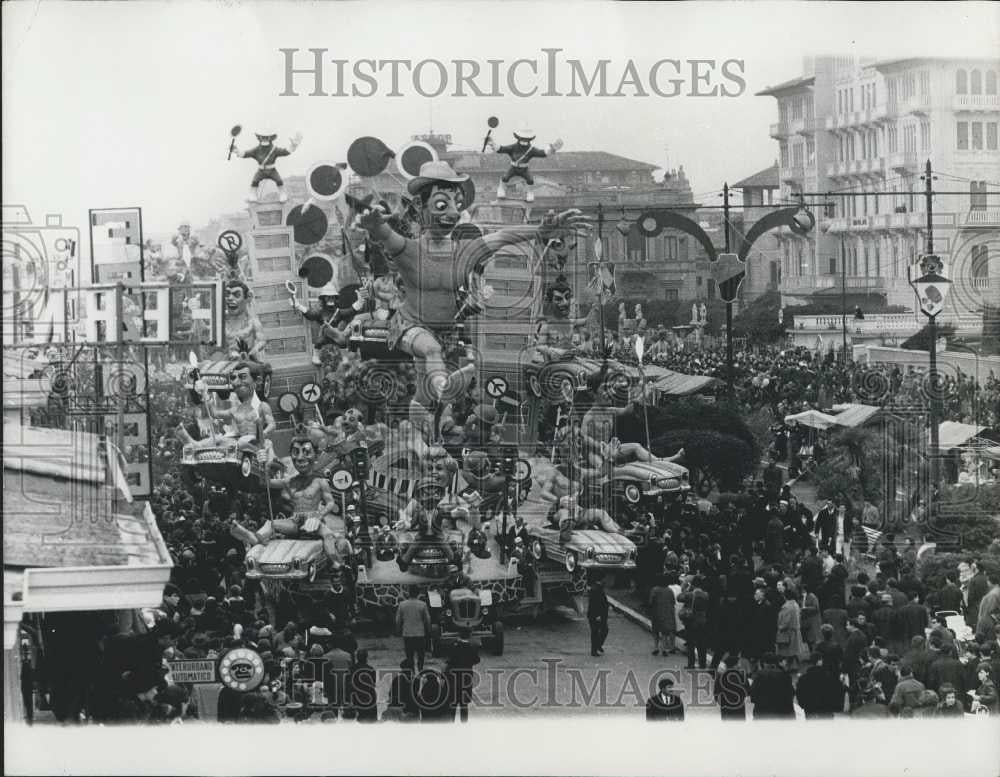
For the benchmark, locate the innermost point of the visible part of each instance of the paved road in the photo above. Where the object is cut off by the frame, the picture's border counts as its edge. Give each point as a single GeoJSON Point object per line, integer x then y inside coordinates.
{"type": "Point", "coordinates": [547, 669]}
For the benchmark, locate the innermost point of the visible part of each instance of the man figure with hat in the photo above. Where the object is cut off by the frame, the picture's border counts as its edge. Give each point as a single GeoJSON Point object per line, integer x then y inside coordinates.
{"type": "Point", "coordinates": [334, 309]}
{"type": "Point", "coordinates": [521, 152]}
{"type": "Point", "coordinates": [244, 333]}
{"type": "Point", "coordinates": [433, 267]}
{"type": "Point", "coordinates": [424, 515]}
{"type": "Point", "coordinates": [264, 154]}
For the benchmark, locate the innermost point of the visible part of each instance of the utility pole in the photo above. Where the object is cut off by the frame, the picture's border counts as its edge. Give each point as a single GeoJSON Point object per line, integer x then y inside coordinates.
{"type": "Point", "coordinates": [729, 305]}
{"type": "Point", "coordinates": [843, 296]}
{"type": "Point", "coordinates": [932, 333]}
{"type": "Point", "coordinates": [600, 279]}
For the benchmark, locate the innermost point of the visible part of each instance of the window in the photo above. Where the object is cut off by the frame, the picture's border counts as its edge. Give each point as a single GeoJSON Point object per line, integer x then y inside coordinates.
{"type": "Point", "coordinates": [977, 136]}
{"type": "Point", "coordinates": [977, 195]}
{"type": "Point", "coordinates": [976, 82]}
{"type": "Point", "coordinates": [961, 82]}
{"type": "Point", "coordinates": [833, 265]}
{"type": "Point", "coordinates": [910, 137]}
{"type": "Point", "coordinates": [963, 135]}
{"type": "Point", "coordinates": [925, 83]}
{"type": "Point", "coordinates": [991, 136]}
{"type": "Point", "coordinates": [925, 135]}
{"type": "Point", "coordinates": [840, 101]}
{"type": "Point", "coordinates": [783, 111]}
{"type": "Point", "coordinates": [671, 295]}
{"type": "Point", "coordinates": [271, 242]}
{"type": "Point", "coordinates": [697, 281]}
{"type": "Point", "coordinates": [671, 254]}
{"type": "Point", "coordinates": [991, 82]}
{"type": "Point", "coordinates": [797, 108]}
{"type": "Point", "coordinates": [784, 154]}
{"type": "Point", "coordinates": [282, 264]}
{"type": "Point", "coordinates": [682, 248]}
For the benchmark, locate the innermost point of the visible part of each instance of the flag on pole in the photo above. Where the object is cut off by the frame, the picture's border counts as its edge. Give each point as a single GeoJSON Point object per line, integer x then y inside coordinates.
{"type": "Point", "coordinates": [117, 467]}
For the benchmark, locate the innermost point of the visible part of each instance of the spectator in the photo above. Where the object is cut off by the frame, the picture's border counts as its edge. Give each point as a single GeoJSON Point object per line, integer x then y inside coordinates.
{"type": "Point", "coordinates": [413, 622]}
{"type": "Point", "coordinates": [462, 657]}
{"type": "Point", "coordinates": [771, 691]}
{"type": "Point", "coordinates": [819, 691]}
{"type": "Point", "coordinates": [663, 617]}
{"type": "Point", "coordinates": [364, 692]}
{"type": "Point", "coordinates": [949, 706]}
{"type": "Point", "coordinates": [666, 704]}
{"type": "Point", "coordinates": [906, 696]}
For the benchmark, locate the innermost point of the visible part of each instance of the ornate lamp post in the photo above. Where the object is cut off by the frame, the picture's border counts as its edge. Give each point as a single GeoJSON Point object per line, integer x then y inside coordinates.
{"type": "Point", "coordinates": [931, 287]}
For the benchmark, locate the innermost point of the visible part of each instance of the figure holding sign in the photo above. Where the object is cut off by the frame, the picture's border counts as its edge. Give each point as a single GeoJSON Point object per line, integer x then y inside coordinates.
{"type": "Point", "coordinates": [265, 153]}
{"type": "Point", "coordinates": [521, 152]}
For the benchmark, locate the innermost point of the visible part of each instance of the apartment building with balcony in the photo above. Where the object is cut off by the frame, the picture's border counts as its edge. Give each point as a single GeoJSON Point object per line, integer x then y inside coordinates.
{"type": "Point", "coordinates": [873, 125]}
{"type": "Point", "coordinates": [759, 194]}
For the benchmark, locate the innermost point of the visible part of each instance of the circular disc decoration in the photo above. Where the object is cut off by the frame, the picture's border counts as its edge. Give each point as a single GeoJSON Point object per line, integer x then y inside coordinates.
{"type": "Point", "coordinates": [649, 226]}
{"type": "Point", "coordinates": [325, 181]}
{"type": "Point", "coordinates": [493, 122]}
{"type": "Point", "coordinates": [288, 402]}
{"type": "Point", "coordinates": [341, 480]}
{"type": "Point", "coordinates": [369, 156]}
{"type": "Point", "coordinates": [496, 387]}
{"type": "Point", "coordinates": [230, 240]}
{"type": "Point", "coordinates": [411, 156]}
{"type": "Point", "coordinates": [310, 393]}
{"type": "Point", "coordinates": [308, 224]}
{"type": "Point", "coordinates": [466, 232]}
{"type": "Point", "coordinates": [317, 270]}
{"type": "Point", "coordinates": [241, 669]}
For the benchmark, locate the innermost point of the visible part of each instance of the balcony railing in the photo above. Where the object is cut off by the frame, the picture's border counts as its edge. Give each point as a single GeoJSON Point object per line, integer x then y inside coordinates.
{"type": "Point", "coordinates": [871, 324]}
{"type": "Point", "coordinates": [976, 102]}
{"type": "Point", "coordinates": [836, 225]}
{"type": "Point", "coordinates": [912, 104]}
{"type": "Point", "coordinates": [779, 130]}
{"type": "Point", "coordinates": [854, 283]}
{"type": "Point", "coordinates": [793, 173]}
{"type": "Point", "coordinates": [796, 125]}
{"type": "Point", "coordinates": [908, 221]}
{"type": "Point", "coordinates": [859, 223]}
{"type": "Point", "coordinates": [989, 218]}
{"type": "Point", "coordinates": [904, 160]}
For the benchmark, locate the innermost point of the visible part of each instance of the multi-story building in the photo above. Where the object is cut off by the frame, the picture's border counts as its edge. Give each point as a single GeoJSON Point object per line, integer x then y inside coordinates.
{"type": "Point", "coordinates": [854, 137]}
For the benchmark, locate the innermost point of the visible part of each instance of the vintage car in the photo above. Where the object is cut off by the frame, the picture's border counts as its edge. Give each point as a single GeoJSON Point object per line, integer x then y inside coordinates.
{"type": "Point", "coordinates": [560, 379]}
{"type": "Point", "coordinates": [644, 484]}
{"type": "Point", "coordinates": [287, 559]}
{"type": "Point", "coordinates": [216, 375]}
{"type": "Point", "coordinates": [368, 336]}
{"type": "Point", "coordinates": [585, 548]}
{"type": "Point", "coordinates": [227, 460]}
{"type": "Point", "coordinates": [430, 559]}
{"type": "Point", "coordinates": [464, 608]}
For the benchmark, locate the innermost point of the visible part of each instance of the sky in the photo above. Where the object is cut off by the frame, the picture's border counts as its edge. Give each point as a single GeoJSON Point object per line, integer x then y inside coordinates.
{"type": "Point", "coordinates": [124, 104]}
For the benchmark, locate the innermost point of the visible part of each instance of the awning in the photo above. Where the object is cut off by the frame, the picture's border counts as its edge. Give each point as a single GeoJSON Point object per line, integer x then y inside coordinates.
{"type": "Point", "coordinates": [952, 434]}
{"type": "Point", "coordinates": [812, 418]}
{"type": "Point", "coordinates": [852, 415]}
{"type": "Point", "coordinates": [677, 384]}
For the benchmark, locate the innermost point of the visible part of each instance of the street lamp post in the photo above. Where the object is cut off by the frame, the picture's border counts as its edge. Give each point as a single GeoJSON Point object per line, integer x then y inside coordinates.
{"type": "Point", "coordinates": [932, 287]}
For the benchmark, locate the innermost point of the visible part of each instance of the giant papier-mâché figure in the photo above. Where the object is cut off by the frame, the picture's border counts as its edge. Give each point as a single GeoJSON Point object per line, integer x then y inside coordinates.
{"type": "Point", "coordinates": [521, 152]}
{"type": "Point", "coordinates": [434, 270]}
{"type": "Point", "coordinates": [265, 154]}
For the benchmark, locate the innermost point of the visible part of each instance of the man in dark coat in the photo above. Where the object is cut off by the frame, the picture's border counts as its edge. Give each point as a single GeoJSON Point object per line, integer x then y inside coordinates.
{"type": "Point", "coordinates": [811, 570]}
{"type": "Point", "coordinates": [771, 691]}
{"type": "Point", "coordinates": [950, 595]}
{"type": "Point", "coordinates": [665, 705]}
{"type": "Point", "coordinates": [976, 589]}
{"type": "Point", "coordinates": [364, 694]}
{"type": "Point", "coordinates": [946, 668]}
{"type": "Point", "coordinates": [826, 526]}
{"type": "Point", "coordinates": [762, 627]}
{"type": "Point", "coordinates": [913, 618]}
{"type": "Point", "coordinates": [917, 659]}
{"type": "Point", "coordinates": [462, 657]}
{"type": "Point", "coordinates": [820, 692]}
{"type": "Point", "coordinates": [597, 615]}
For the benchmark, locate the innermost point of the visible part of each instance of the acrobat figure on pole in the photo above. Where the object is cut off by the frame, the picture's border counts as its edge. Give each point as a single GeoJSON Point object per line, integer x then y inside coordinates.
{"type": "Point", "coordinates": [521, 152]}
{"type": "Point", "coordinates": [265, 153]}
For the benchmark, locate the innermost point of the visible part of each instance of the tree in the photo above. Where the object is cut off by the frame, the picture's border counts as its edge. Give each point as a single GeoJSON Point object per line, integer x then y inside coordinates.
{"type": "Point", "coordinates": [759, 321]}
{"type": "Point", "coordinates": [851, 467]}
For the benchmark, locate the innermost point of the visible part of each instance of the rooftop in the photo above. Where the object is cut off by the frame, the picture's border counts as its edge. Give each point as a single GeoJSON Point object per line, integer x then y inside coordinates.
{"type": "Point", "coordinates": [786, 86]}
{"type": "Point", "coordinates": [765, 179]}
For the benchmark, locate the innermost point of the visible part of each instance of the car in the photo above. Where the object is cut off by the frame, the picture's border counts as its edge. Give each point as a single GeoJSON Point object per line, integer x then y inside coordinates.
{"type": "Point", "coordinates": [559, 380]}
{"type": "Point", "coordinates": [229, 461]}
{"type": "Point", "coordinates": [430, 559]}
{"type": "Point", "coordinates": [216, 375]}
{"type": "Point", "coordinates": [465, 608]}
{"type": "Point", "coordinates": [287, 559]}
{"type": "Point", "coordinates": [369, 336]}
{"type": "Point", "coordinates": [585, 548]}
{"type": "Point", "coordinates": [641, 484]}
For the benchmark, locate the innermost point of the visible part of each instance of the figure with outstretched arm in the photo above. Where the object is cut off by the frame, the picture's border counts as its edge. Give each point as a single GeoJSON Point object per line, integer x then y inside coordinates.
{"type": "Point", "coordinates": [433, 268]}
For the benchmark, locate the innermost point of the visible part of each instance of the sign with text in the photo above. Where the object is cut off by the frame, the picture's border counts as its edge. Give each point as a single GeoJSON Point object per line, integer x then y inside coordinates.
{"type": "Point", "coordinates": [192, 671]}
{"type": "Point", "coordinates": [148, 313]}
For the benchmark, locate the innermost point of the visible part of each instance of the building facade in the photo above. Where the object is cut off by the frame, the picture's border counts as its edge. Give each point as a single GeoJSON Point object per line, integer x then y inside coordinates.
{"type": "Point", "coordinates": [759, 196]}
{"type": "Point", "coordinates": [854, 137]}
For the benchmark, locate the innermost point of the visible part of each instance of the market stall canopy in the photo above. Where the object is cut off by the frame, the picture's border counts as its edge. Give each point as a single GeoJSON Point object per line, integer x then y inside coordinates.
{"type": "Point", "coordinates": [852, 415]}
{"type": "Point", "coordinates": [952, 434]}
{"type": "Point", "coordinates": [812, 418]}
{"type": "Point", "coordinates": [677, 384]}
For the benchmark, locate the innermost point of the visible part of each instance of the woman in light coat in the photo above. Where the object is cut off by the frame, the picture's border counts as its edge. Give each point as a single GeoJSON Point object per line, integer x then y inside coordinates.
{"type": "Point", "coordinates": [788, 641]}
{"type": "Point", "coordinates": [662, 614]}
